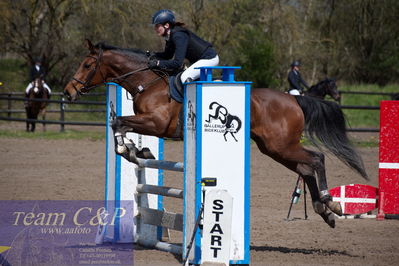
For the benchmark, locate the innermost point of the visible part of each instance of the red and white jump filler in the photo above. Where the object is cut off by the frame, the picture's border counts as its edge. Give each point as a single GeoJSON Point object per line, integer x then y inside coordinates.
{"type": "Point", "coordinates": [357, 198]}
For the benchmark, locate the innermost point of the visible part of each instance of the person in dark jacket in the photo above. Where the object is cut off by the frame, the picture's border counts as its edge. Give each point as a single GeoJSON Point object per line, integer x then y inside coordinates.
{"type": "Point", "coordinates": [37, 71]}
{"type": "Point", "coordinates": [180, 44]}
{"type": "Point", "coordinates": [295, 80]}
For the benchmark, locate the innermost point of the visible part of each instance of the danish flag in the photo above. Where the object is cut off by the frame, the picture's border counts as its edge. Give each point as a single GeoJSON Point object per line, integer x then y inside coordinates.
{"type": "Point", "coordinates": [355, 198]}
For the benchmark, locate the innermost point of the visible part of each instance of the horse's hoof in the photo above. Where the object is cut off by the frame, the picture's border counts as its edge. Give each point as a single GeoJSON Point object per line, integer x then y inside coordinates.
{"type": "Point", "coordinates": [318, 207]}
{"type": "Point", "coordinates": [145, 153]}
{"type": "Point", "coordinates": [120, 143]}
{"type": "Point", "coordinates": [328, 217]}
{"type": "Point", "coordinates": [132, 154]}
{"type": "Point", "coordinates": [334, 207]}
{"type": "Point", "coordinates": [120, 149]}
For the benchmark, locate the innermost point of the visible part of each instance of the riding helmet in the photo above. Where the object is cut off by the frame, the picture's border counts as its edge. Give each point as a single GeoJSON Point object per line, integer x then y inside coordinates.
{"type": "Point", "coordinates": [295, 63]}
{"type": "Point", "coordinates": [163, 16]}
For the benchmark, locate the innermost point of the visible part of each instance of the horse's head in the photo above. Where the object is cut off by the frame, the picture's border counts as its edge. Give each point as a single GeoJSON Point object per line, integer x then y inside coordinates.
{"type": "Point", "coordinates": [107, 63]}
{"type": "Point", "coordinates": [37, 86]}
{"type": "Point", "coordinates": [331, 89]}
{"type": "Point", "coordinates": [88, 74]}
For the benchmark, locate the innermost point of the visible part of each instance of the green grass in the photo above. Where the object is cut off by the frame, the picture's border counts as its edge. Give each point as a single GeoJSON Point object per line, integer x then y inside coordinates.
{"type": "Point", "coordinates": [365, 118]}
{"type": "Point", "coordinates": [369, 143]}
{"type": "Point", "coordinates": [68, 134]}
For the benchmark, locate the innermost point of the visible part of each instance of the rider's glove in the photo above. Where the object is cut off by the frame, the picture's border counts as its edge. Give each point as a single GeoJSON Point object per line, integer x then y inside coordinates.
{"type": "Point", "coordinates": [153, 63]}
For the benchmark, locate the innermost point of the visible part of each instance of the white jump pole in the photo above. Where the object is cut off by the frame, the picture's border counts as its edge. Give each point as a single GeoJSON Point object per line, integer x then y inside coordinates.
{"type": "Point", "coordinates": [122, 178]}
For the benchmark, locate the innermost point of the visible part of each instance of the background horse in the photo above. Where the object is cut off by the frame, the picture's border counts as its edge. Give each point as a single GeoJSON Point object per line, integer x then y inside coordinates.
{"type": "Point", "coordinates": [277, 119]}
{"type": "Point", "coordinates": [323, 88]}
{"type": "Point", "coordinates": [33, 108]}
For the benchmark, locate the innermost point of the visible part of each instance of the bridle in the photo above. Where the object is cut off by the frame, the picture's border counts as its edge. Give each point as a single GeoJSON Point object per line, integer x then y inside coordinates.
{"type": "Point", "coordinates": [86, 84]}
{"type": "Point", "coordinates": [85, 88]}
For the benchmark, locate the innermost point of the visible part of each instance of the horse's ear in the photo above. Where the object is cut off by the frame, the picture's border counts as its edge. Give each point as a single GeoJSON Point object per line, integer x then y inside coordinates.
{"type": "Point", "coordinates": [89, 45]}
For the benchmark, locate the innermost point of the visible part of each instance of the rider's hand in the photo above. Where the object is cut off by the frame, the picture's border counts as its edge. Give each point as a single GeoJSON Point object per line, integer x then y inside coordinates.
{"type": "Point", "coordinates": [153, 63]}
{"type": "Point", "coordinates": [150, 55]}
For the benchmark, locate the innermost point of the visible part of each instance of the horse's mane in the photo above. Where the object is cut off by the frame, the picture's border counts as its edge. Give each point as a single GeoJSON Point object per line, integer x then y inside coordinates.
{"type": "Point", "coordinates": [127, 51]}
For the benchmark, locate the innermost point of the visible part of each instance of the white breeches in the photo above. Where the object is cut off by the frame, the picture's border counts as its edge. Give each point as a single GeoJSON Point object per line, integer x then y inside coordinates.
{"type": "Point", "coordinates": [30, 86]}
{"type": "Point", "coordinates": [294, 92]}
{"type": "Point", "coordinates": [193, 73]}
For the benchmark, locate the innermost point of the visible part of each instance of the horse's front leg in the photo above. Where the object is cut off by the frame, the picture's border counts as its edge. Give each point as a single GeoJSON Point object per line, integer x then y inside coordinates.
{"type": "Point", "coordinates": [146, 124]}
{"type": "Point", "coordinates": [44, 118]}
{"type": "Point", "coordinates": [123, 146]}
{"type": "Point", "coordinates": [28, 116]}
{"type": "Point", "coordinates": [307, 170]}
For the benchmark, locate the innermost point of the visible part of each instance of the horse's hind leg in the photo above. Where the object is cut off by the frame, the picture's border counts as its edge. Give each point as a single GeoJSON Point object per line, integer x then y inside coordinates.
{"type": "Point", "coordinates": [318, 206]}
{"type": "Point", "coordinates": [305, 163]}
{"type": "Point", "coordinates": [319, 167]}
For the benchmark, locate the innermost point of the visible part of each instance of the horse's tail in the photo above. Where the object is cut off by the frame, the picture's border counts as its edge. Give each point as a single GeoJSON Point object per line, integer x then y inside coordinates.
{"type": "Point", "coordinates": [325, 121]}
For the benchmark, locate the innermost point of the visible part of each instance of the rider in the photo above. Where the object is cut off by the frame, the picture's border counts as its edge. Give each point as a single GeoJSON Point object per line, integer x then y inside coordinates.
{"type": "Point", "coordinates": [36, 71]}
{"type": "Point", "coordinates": [181, 44]}
{"type": "Point", "coordinates": [295, 80]}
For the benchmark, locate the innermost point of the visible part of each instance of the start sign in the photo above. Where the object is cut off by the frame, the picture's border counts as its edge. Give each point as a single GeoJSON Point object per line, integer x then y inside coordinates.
{"type": "Point", "coordinates": [217, 226]}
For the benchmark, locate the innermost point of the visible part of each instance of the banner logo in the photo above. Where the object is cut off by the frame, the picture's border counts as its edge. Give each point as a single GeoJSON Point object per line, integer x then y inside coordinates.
{"type": "Point", "coordinates": [221, 121]}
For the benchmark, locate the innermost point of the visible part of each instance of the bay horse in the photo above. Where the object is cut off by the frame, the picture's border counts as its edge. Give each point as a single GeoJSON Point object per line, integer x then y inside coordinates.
{"type": "Point", "coordinates": [324, 88]}
{"type": "Point", "coordinates": [277, 119]}
{"type": "Point", "coordinates": [34, 108]}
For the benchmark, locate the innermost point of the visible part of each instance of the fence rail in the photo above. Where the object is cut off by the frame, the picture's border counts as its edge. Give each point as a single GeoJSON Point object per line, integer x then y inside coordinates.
{"type": "Point", "coordinates": [53, 93]}
{"type": "Point", "coordinates": [53, 101]}
{"type": "Point", "coordinates": [12, 111]}
{"type": "Point", "coordinates": [11, 96]}
{"type": "Point", "coordinates": [76, 123]}
{"type": "Point", "coordinates": [360, 107]}
{"type": "Point", "coordinates": [391, 94]}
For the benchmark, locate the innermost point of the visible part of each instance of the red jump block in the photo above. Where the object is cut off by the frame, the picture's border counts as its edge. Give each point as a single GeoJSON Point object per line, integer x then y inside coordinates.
{"type": "Point", "coordinates": [389, 160]}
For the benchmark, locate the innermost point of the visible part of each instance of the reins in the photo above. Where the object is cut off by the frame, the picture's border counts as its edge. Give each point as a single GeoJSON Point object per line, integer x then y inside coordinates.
{"type": "Point", "coordinates": [122, 78]}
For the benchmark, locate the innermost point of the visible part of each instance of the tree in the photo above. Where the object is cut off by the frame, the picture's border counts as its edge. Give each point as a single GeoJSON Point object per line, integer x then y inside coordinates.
{"type": "Point", "coordinates": [255, 54]}
{"type": "Point", "coordinates": [35, 29]}
{"type": "Point", "coordinates": [366, 36]}
{"type": "Point", "coordinates": [353, 40]}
